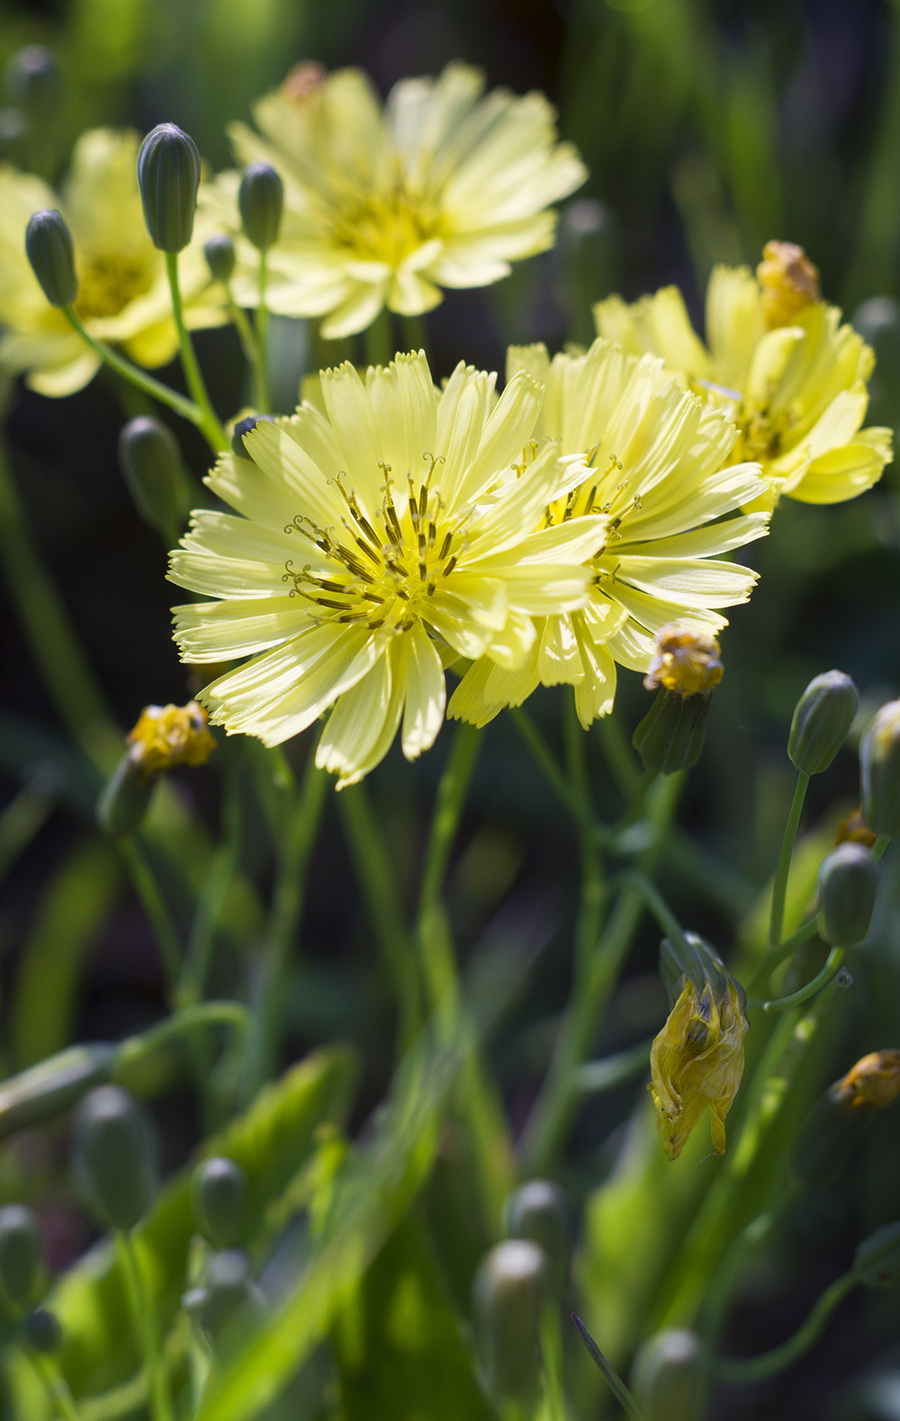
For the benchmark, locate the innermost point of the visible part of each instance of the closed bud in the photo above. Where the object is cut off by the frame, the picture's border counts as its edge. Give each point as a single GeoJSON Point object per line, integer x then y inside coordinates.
{"type": "Point", "coordinates": [261, 201]}
{"type": "Point", "coordinates": [667, 1376]}
{"type": "Point", "coordinates": [217, 1194]}
{"type": "Point", "coordinates": [876, 1262]}
{"type": "Point", "coordinates": [32, 80]}
{"type": "Point", "coordinates": [48, 245]}
{"type": "Point", "coordinates": [114, 1157]}
{"type": "Point", "coordinates": [509, 1294]}
{"type": "Point", "coordinates": [227, 1288]}
{"type": "Point", "coordinates": [821, 719]}
{"type": "Point", "coordinates": [671, 735]}
{"type": "Point", "coordinates": [168, 170]}
{"type": "Point", "coordinates": [21, 1255]}
{"type": "Point", "coordinates": [243, 427]}
{"type": "Point", "coordinates": [43, 1331]}
{"type": "Point", "coordinates": [537, 1211]}
{"type": "Point", "coordinates": [848, 886]}
{"type": "Point", "coordinates": [125, 798]}
{"type": "Point", "coordinates": [879, 760]}
{"type": "Point", "coordinates": [220, 257]}
{"type": "Point", "coordinates": [150, 460]}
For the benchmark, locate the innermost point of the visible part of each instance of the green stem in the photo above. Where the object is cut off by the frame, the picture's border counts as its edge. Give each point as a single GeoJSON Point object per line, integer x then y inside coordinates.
{"type": "Point", "coordinates": [781, 954]}
{"type": "Point", "coordinates": [209, 421]}
{"type": "Point", "coordinates": [779, 887]}
{"type": "Point", "coordinates": [596, 1077]}
{"type": "Point", "coordinates": [659, 908]}
{"type": "Point", "coordinates": [545, 760]}
{"type": "Point", "coordinates": [146, 1327]}
{"type": "Point", "coordinates": [756, 1368]}
{"type": "Point", "coordinates": [219, 879]}
{"type": "Point", "coordinates": [614, 1381]}
{"type": "Point", "coordinates": [554, 1408]}
{"type": "Point", "coordinates": [155, 906]}
{"type": "Point", "coordinates": [135, 375]}
{"type": "Point", "coordinates": [592, 897]}
{"type": "Point", "coordinates": [184, 1021]}
{"type": "Point", "coordinates": [377, 339]}
{"type": "Point", "coordinates": [242, 326]}
{"type": "Point", "coordinates": [415, 332]}
{"type": "Point", "coordinates": [803, 994]}
{"type": "Point", "coordinates": [619, 755]}
{"type": "Point", "coordinates": [261, 363]}
{"type": "Point", "coordinates": [51, 638]}
{"type": "Point", "coordinates": [48, 1371]}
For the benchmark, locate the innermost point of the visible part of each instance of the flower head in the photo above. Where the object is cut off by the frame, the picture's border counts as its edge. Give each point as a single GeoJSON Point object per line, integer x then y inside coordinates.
{"type": "Point", "coordinates": [779, 362]}
{"type": "Point", "coordinates": [654, 468]}
{"type": "Point", "coordinates": [123, 292]}
{"type": "Point", "coordinates": [377, 539]}
{"type": "Point", "coordinates": [871, 1084]}
{"type": "Point", "coordinates": [441, 186]}
{"type": "Point", "coordinates": [166, 736]}
{"type": "Point", "coordinates": [687, 662]}
{"type": "Point", "coordinates": [698, 1057]}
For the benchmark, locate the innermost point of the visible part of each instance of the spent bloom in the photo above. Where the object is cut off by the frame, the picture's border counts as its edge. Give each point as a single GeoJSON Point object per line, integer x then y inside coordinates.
{"type": "Point", "coordinates": [375, 540]}
{"type": "Point", "coordinates": [698, 1057]}
{"type": "Point", "coordinates": [871, 1084]}
{"type": "Point", "coordinates": [654, 458]}
{"type": "Point", "coordinates": [779, 362]}
{"type": "Point", "coordinates": [385, 204]}
{"type": "Point", "coordinates": [123, 293]}
{"type": "Point", "coordinates": [166, 736]}
{"type": "Point", "coordinates": [687, 662]}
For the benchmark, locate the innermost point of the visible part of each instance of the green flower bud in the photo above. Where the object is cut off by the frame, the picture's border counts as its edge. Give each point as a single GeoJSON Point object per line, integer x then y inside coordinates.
{"type": "Point", "coordinates": [670, 737]}
{"type": "Point", "coordinates": [220, 257]}
{"type": "Point", "coordinates": [125, 798]}
{"type": "Point", "coordinates": [509, 1293]}
{"type": "Point", "coordinates": [21, 1255]}
{"type": "Point", "coordinates": [666, 1378]}
{"type": "Point", "coordinates": [879, 760]}
{"type": "Point", "coordinates": [114, 1157]}
{"type": "Point", "coordinates": [43, 1331]}
{"type": "Point", "coordinates": [821, 719]}
{"type": "Point", "coordinates": [537, 1211]}
{"type": "Point", "coordinates": [261, 201]}
{"type": "Point", "coordinates": [227, 1288]}
{"type": "Point", "coordinates": [876, 1262]}
{"type": "Point", "coordinates": [848, 885]}
{"type": "Point", "coordinates": [243, 427]}
{"type": "Point", "coordinates": [217, 1194]}
{"type": "Point", "coordinates": [150, 460]}
{"type": "Point", "coordinates": [48, 245]}
{"type": "Point", "coordinates": [168, 170]}
{"type": "Point", "coordinates": [32, 80]}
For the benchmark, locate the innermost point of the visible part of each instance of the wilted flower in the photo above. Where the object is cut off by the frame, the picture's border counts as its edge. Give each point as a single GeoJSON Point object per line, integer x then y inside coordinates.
{"type": "Point", "coordinates": [166, 736]}
{"type": "Point", "coordinates": [688, 662]}
{"type": "Point", "coordinates": [871, 1084]}
{"type": "Point", "coordinates": [779, 362]}
{"type": "Point", "coordinates": [379, 539]}
{"type": "Point", "coordinates": [123, 294]}
{"type": "Point", "coordinates": [385, 205]}
{"type": "Point", "coordinates": [654, 460]}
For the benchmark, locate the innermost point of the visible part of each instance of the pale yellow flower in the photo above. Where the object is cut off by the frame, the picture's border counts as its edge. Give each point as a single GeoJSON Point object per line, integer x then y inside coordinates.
{"type": "Point", "coordinates": [698, 1060]}
{"type": "Point", "coordinates": [386, 204]}
{"type": "Point", "coordinates": [123, 294]}
{"type": "Point", "coordinates": [779, 362]}
{"type": "Point", "coordinates": [655, 457]}
{"type": "Point", "coordinates": [377, 540]}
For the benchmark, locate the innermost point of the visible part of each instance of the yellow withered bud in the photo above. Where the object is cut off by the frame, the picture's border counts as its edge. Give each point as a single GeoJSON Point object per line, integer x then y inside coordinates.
{"type": "Point", "coordinates": [166, 736]}
{"type": "Point", "coordinates": [685, 661]}
{"type": "Point", "coordinates": [789, 282]}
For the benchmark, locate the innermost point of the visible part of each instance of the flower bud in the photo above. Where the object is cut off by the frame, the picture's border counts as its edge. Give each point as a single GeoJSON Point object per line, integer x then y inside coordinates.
{"type": "Point", "coordinates": [150, 460]}
{"type": "Point", "coordinates": [509, 1293]}
{"type": "Point", "coordinates": [243, 427]}
{"type": "Point", "coordinates": [43, 1331]}
{"type": "Point", "coordinates": [671, 735]}
{"type": "Point", "coordinates": [227, 1288]}
{"type": "Point", "coordinates": [876, 1262]}
{"type": "Point", "coordinates": [114, 1157]}
{"type": "Point", "coordinates": [261, 201]}
{"type": "Point", "coordinates": [537, 1211]}
{"type": "Point", "coordinates": [217, 1194]}
{"type": "Point", "coordinates": [879, 760]}
{"type": "Point", "coordinates": [667, 1376]}
{"type": "Point", "coordinates": [220, 256]}
{"type": "Point", "coordinates": [168, 170]}
{"type": "Point", "coordinates": [32, 80]}
{"type": "Point", "coordinates": [21, 1255]}
{"type": "Point", "coordinates": [821, 719]}
{"type": "Point", "coordinates": [48, 245]}
{"type": "Point", "coordinates": [847, 885]}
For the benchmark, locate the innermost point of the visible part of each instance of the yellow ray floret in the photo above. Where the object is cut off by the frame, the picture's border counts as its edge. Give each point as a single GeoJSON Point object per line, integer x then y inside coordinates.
{"type": "Point", "coordinates": [374, 541]}
{"type": "Point", "coordinates": [778, 361]}
{"type": "Point", "coordinates": [386, 204]}
{"type": "Point", "coordinates": [697, 1060]}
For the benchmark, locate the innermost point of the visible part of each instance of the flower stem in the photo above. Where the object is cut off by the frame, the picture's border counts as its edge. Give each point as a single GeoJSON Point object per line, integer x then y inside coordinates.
{"type": "Point", "coordinates": [261, 361]}
{"type": "Point", "coordinates": [377, 339]}
{"type": "Point", "coordinates": [768, 1363]}
{"type": "Point", "coordinates": [779, 887]}
{"type": "Point", "coordinates": [242, 326]}
{"type": "Point", "coordinates": [183, 1021]}
{"type": "Point", "coordinates": [821, 979]}
{"type": "Point", "coordinates": [146, 1327]}
{"type": "Point", "coordinates": [155, 906]}
{"type": "Point", "coordinates": [209, 420]}
{"type": "Point", "coordinates": [545, 760]}
{"type": "Point", "coordinates": [136, 376]}
{"type": "Point", "coordinates": [415, 332]}
{"type": "Point", "coordinates": [54, 1383]}
{"type": "Point", "coordinates": [615, 1382]}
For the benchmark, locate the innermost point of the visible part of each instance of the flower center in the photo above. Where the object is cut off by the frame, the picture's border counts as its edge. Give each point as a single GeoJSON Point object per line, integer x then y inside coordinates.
{"type": "Point", "coordinates": [384, 226]}
{"type": "Point", "coordinates": [379, 577]}
{"type": "Point", "coordinates": [106, 284]}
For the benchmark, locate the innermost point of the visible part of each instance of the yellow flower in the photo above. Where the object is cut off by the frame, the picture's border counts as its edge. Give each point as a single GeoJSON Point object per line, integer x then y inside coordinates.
{"type": "Point", "coordinates": [123, 294]}
{"type": "Point", "coordinates": [377, 540]}
{"type": "Point", "coordinates": [384, 206]}
{"type": "Point", "coordinates": [166, 736]}
{"type": "Point", "coordinates": [779, 362]}
{"type": "Point", "coordinates": [697, 1060]}
{"type": "Point", "coordinates": [655, 457]}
